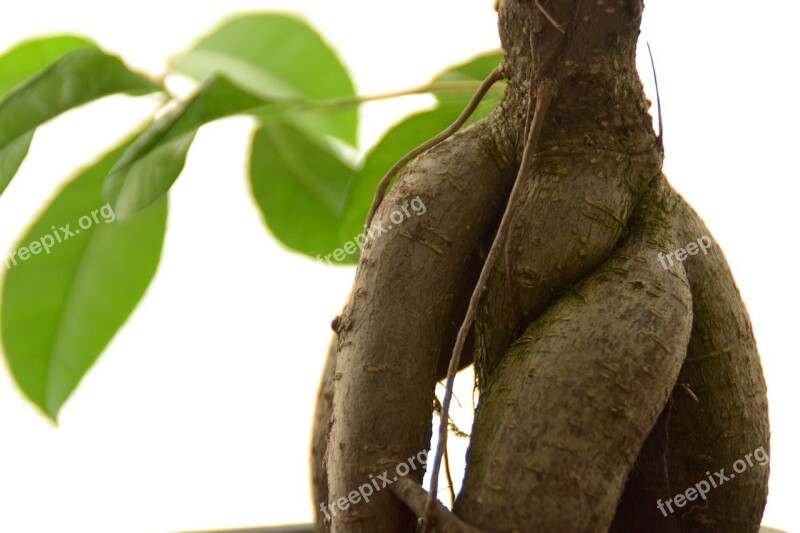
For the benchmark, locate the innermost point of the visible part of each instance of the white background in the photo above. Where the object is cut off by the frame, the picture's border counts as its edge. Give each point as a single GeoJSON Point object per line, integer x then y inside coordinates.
{"type": "Point", "coordinates": [198, 414]}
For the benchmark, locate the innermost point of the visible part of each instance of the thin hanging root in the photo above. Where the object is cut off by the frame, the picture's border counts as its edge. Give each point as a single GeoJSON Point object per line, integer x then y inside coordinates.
{"type": "Point", "coordinates": [545, 93]}
{"type": "Point", "coordinates": [549, 17]}
{"type": "Point", "coordinates": [437, 408]}
{"type": "Point", "coordinates": [407, 491]}
{"type": "Point", "coordinates": [658, 101]}
{"type": "Point", "coordinates": [496, 75]}
{"type": "Point", "coordinates": [450, 478]}
{"type": "Point", "coordinates": [544, 97]}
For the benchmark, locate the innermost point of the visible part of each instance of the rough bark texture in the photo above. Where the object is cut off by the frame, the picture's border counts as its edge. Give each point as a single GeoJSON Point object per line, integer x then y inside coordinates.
{"type": "Point", "coordinates": [407, 287]}
{"type": "Point", "coordinates": [319, 436]}
{"type": "Point", "coordinates": [566, 412]}
{"type": "Point", "coordinates": [324, 407]}
{"type": "Point", "coordinates": [609, 380]}
{"type": "Point", "coordinates": [715, 416]}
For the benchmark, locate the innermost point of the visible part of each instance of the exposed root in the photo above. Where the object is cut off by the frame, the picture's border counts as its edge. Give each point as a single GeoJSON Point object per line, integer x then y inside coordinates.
{"type": "Point", "coordinates": [589, 325]}
{"type": "Point", "coordinates": [396, 317]}
{"type": "Point", "coordinates": [545, 88]}
{"type": "Point", "coordinates": [523, 461]}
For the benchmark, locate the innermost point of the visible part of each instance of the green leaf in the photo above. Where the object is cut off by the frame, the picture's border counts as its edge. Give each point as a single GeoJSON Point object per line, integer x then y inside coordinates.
{"type": "Point", "coordinates": [63, 305]}
{"type": "Point", "coordinates": [29, 57]}
{"type": "Point", "coordinates": [80, 76]}
{"type": "Point", "coordinates": [281, 57]}
{"type": "Point", "coordinates": [155, 160]}
{"type": "Point", "coordinates": [396, 143]}
{"type": "Point", "coordinates": [300, 182]}
{"type": "Point", "coordinates": [16, 66]}
{"type": "Point", "coordinates": [12, 157]}
{"type": "Point", "coordinates": [475, 70]}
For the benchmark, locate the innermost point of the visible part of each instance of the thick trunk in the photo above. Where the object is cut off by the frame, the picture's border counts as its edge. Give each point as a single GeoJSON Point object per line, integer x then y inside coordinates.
{"type": "Point", "coordinates": [610, 380]}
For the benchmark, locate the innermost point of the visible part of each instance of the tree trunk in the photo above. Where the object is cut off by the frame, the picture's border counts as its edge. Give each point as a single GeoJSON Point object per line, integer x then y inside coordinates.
{"type": "Point", "coordinates": [611, 380]}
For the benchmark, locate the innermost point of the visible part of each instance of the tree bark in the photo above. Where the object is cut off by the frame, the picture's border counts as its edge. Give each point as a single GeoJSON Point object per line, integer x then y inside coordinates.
{"type": "Point", "coordinates": [610, 381]}
{"type": "Point", "coordinates": [564, 415]}
{"type": "Point", "coordinates": [319, 436]}
{"type": "Point", "coordinates": [408, 285]}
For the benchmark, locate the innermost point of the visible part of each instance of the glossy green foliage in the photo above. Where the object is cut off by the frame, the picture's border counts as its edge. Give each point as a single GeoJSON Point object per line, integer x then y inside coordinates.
{"type": "Point", "coordinates": [155, 160]}
{"type": "Point", "coordinates": [81, 269]}
{"type": "Point", "coordinates": [283, 58]}
{"type": "Point", "coordinates": [73, 280]}
{"type": "Point", "coordinates": [79, 76]}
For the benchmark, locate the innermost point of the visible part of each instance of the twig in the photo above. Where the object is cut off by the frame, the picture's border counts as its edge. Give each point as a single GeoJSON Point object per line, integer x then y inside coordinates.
{"type": "Point", "coordinates": [414, 496]}
{"type": "Point", "coordinates": [495, 75]}
{"type": "Point", "coordinates": [347, 101]}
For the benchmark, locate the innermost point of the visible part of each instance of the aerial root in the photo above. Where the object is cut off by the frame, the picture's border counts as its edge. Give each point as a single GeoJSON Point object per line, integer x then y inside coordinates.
{"type": "Point", "coordinates": [541, 96]}
{"type": "Point", "coordinates": [549, 17]}
{"type": "Point", "coordinates": [496, 75]}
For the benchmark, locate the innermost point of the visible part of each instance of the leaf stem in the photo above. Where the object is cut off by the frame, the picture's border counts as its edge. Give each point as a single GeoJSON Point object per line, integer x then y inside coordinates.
{"type": "Point", "coordinates": [434, 87]}
{"type": "Point", "coordinates": [281, 106]}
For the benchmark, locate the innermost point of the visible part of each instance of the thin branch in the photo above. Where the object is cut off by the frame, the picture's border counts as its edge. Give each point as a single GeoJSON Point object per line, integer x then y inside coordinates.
{"type": "Point", "coordinates": [435, 87]}
{"type": "Point", "coordinates": [281, 106]}
{"type": "Point", "coordinates": [414, 496]}
{"type": "Point", "coordinates": [493, 78]}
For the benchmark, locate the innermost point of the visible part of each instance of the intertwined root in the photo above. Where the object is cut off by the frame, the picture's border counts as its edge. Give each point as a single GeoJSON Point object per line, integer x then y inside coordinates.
{"type": "Point", "coordinates": [607, 375]}
{"type": "Point", "coordinates": [574, 405]}
{"type": "Point", "coordinates": [716, 414]}
{"type": "Point", "coordinates": [568, 408]}
{"type": "Point", "coordinates": [573, 209]}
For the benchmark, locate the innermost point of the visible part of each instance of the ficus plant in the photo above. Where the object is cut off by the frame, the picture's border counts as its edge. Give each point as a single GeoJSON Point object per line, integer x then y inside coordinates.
{"type": "Point", "coordinates": [615, 363]}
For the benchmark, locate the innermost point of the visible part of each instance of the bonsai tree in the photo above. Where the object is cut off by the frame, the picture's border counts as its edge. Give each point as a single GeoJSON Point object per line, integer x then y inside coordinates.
{"type": "Point", "coordinates": [522, 226]}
